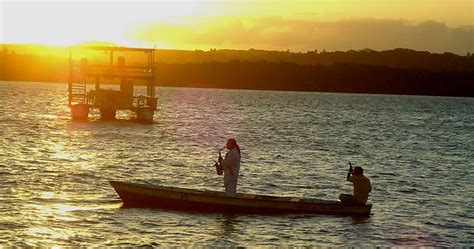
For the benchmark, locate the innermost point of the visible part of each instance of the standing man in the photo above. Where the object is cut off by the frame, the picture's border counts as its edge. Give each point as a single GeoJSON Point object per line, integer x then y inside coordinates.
{"type": "Point", "coordinates": [362, 187]}
{"type": "Point", "coordinates": [231, 166]}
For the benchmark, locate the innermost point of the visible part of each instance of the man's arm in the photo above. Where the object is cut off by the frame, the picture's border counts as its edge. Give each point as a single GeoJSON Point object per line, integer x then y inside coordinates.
{"type": "Point", "coordinates": [349, 173]}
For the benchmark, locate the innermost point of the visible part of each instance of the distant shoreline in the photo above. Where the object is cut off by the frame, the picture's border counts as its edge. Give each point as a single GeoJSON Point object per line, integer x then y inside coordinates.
{"type": "Point", "coordinates": [244, 89]}
{"type": "Point", "coordinates": [398, 71]}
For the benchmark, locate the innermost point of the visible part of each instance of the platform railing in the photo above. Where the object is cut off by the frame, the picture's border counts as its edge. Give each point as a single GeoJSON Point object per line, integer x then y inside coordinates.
{"type": "Point", "coordinates": [107, 71]}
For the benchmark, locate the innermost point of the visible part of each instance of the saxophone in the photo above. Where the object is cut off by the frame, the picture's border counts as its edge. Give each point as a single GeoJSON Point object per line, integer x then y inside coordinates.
{"type": "Point", "coordinates": [217, 164]}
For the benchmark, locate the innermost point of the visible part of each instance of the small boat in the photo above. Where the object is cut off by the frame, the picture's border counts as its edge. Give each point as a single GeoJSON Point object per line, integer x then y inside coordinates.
{"type": "Point", "coordinates": [146, 195]}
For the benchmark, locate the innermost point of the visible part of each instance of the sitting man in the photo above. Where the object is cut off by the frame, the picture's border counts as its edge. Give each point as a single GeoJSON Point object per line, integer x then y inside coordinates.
{"type": "Point", "coordinates": [362, 187]}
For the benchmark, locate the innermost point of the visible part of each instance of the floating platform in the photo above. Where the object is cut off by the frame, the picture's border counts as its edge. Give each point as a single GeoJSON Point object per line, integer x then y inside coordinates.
{"type": "Point", "coordinates": [87, 81]}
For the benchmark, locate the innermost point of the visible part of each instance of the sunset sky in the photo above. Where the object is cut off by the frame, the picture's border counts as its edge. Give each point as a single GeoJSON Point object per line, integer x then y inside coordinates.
{"type": "Point", "coordinates": [429, 25]}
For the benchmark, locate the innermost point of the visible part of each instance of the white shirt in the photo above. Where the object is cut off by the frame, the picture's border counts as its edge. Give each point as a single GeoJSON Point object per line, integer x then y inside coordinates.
{"type": "Point", "coordinates": [231, 164]}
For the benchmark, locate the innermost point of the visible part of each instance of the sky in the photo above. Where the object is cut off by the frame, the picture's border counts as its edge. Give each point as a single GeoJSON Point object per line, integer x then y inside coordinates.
{"type": "Point", "coordinates": [299, 26]}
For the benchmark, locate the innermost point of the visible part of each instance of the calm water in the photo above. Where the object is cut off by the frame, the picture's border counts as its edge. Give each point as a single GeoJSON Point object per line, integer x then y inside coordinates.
{"type": "Point", "coordinates": [418, 152]}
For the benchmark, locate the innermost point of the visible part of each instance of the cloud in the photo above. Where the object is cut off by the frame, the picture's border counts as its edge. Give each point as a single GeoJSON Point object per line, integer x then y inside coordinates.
{"type": "Point", "coordinates": [277, 33]}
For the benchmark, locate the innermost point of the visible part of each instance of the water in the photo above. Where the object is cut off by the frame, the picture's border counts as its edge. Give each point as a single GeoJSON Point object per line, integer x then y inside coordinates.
{"type": "Point", "coordinates": [417, 151]}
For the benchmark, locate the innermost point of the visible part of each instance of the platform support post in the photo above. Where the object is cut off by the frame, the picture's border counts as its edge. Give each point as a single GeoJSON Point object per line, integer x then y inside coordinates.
{"type": "Point", "coordinates": [145, 114]}
{"type": "Point", "coordinates": [80, 111]}
{"type": "Point", "coordinates": [107, 113]}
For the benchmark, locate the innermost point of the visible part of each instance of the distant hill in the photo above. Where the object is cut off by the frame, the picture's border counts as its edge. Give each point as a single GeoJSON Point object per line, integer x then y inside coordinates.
{"type": "Point", "coordinates": [397, 58]}
{"type": "Point", "coordinates": [398, 71]}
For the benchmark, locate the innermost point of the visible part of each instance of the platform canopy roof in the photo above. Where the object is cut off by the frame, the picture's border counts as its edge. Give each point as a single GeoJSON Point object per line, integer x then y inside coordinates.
{"type": "Point", "coordinates": [111, 48]}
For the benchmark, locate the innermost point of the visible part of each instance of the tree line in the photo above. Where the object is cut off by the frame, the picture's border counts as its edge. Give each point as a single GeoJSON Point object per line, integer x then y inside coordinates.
{"type": "Point", "coordinates": [399, 71]}
{"type": "Point", "coordinates": [340, 77]}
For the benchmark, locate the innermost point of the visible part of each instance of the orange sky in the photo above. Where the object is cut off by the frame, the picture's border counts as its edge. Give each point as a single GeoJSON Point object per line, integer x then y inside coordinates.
{"type": "Point", "coordinates": [431, 25]}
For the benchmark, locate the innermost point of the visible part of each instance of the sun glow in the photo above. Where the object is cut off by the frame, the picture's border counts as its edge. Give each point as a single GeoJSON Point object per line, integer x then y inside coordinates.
{"type": "Point", "coordinates": [302, 25]}
{"type": "Point", "coordinates": [73, 23]}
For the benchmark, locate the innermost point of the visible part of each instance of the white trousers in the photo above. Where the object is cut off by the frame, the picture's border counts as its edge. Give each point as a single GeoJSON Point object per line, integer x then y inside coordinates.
{"type": "Point", "coordinates": [230, 184]}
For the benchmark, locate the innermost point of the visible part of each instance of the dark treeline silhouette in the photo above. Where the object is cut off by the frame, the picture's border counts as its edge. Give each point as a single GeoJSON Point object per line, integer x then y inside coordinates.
{"type": "Point", "coordinates": [399, 71]}
{"type": "Point", "coordinates": [350, 78]}
{"type": "Point", "coordinates": [397, 58]}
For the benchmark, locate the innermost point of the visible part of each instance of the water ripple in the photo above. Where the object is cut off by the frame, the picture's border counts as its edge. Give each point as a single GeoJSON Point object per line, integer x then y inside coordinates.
{"type": "Point", "coordinates": [416, 150]}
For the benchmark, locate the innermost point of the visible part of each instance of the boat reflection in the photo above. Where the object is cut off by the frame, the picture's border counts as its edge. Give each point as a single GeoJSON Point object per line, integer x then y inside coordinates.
{"type": "Point", "coordinates": [227, 228]}
{"type": "Point", "coordinates": [360, 220]}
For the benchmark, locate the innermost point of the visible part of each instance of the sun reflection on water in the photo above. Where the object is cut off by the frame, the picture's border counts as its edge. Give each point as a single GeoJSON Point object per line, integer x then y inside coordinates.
{"type": "Point", "coordinates": [52, 217]}
{"type": "Point", "coordinates": [51, 233]}
{"type": "Point", "coordinates": [56, 212]}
